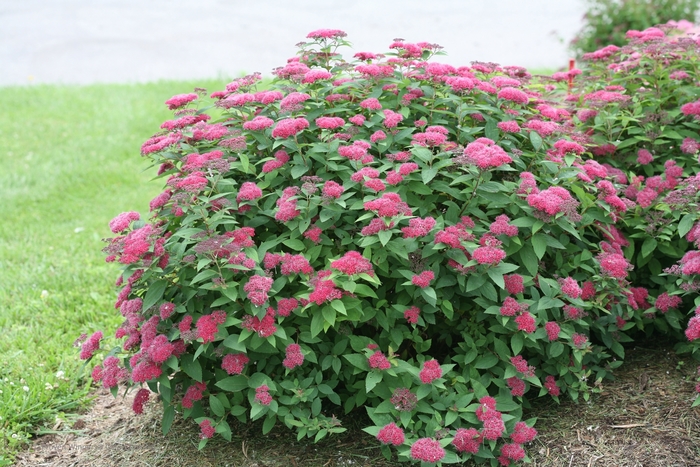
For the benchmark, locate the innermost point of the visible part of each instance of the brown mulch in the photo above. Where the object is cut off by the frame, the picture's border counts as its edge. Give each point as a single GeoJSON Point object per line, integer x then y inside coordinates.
{"type": "Point", "coordinates": [642, 419]}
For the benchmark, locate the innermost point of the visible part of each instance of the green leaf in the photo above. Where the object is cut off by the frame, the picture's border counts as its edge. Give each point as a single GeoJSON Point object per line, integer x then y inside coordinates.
{"type": "Point", "coordinates": [486, 361]}
{"type": "Point", "coordinates": [428, 174]}
{"type": "Point", "coordinates": [317, 322]}
{"type": "Point", "coordinates": [231, 342]}
{"type": "Point", "coordinates": [339, 306]}
{"type": "Point", "coordinates": [373, 378]}
{"type": "Point", "coordinates": [429, 295]}
{"type": "Point", "coordinates": [547, 302]}
{"type": "Point", "coordinates": [154, 293]}
{"type": "Point", "coordinates": [684, 225]}
{"type": "Point", "coordinates": [516, 342]}
{"type": "Point", "coordinates": [299, 170]}
{"type": "Point", "coordinates": [501, 349]}
{"type": "Point", "coordinates": [245, 162]}
{"type": "Point", "coordinates": [539, 245]}
{"type": "Point", "coordinates": [357, 360]}
{"type": "Point", "coordinates": [216, 406]}
{"type": "Point", "coordinates": [475, 281]}
{"type": "Point", "coordinates": [362, 290]}
{"type": "Point", "coordinates": [496, 277]}
{"type": "Point", "coordinates": [555, 349]}
{"type": "Point", "coordinates": [648, 246]}
{"type": "Point", "coordinates": [529, 260]}
{"type": "Point", "coordinates": [168, 417]}
{"type": "Point", "coordinates": [192, 367]}
{"type": "Point", "coordinates": [204, 275]}
{"type": "Point", "coordinates": [269, 423]}
{"type": "Point", "coordinates": [295, 244]}
{"type": "Point", "coordinates": [536, 140]}
{"type": "Point", "coordinates": [234, 383]}
{"type": "Point", "coordinates": [328, 314]}
{"type": "Point", "coordinates": [384, 236]}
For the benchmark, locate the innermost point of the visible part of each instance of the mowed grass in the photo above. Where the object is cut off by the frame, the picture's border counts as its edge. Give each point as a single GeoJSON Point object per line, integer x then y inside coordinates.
{"type": "Point", "coordinates": [70, 163]}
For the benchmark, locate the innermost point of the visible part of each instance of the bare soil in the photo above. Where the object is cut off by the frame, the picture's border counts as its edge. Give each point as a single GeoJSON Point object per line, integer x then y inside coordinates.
{"type": "Point", "coordinates": [642, 419]}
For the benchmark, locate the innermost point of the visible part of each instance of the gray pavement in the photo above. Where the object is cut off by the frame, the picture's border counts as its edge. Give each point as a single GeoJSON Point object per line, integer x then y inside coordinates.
{"type": "Point", "coordinates": [122, 41]}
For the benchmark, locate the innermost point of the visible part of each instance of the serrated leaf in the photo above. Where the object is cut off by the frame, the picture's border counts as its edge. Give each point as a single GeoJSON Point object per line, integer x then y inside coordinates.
{"type": "Point", "coordinates": [245, 162]}
{"type": "Point", "coordinates": [191, 367]}
{"type": "Point", "coordinates": [373, 378]}
{"type": "Point", "coordinates": [167, 420]}
{"type": "Point", "coordinates": [475, 281]}
{"type": "Point", "coordinates": [685, 225]}
{"type": "Point", "coordinates": [317, 322]}
{"type": "Point", "coordinates": [357, 360]}
{"type": "Point", "coordinates": [329, 314]}
{"type": "Point", "coordinates": [216, 406]}
{"type": "Point", "coordinates": [486, 361]}
{"type": "Point", "coordinates": [496, 277]}
{"type": "Point", "coordinates": [555, 349]}
{"type": "Point", "coordinates": [536, 140]}
{"type": "Point", "coordinates": [299, 170]}
{"type": "Point", "coordinates": [516, 342]}
{"type": "Point", "coordinates": [428, 174]}
{"type": "Point", "coordinates": [154, 293]}
{"type": "Point", "coordinates": [384, 237]}
{"type": "Point", "coordinates": [539, 245]}
{"type": "Point", "coordinates": [648, 246]}
{"type": "Point", "coordinates": [529, 260]}
{"type": "Point", "coordinates": [294, 244]}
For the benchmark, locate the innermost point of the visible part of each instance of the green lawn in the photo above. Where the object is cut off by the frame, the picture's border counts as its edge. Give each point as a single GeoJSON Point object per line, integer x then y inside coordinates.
{"type": "Point", "coordinates": [71, 162]}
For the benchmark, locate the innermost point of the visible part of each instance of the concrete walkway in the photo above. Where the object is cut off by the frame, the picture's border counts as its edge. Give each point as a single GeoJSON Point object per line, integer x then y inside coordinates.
{"type": "Point", "coordinates": [104, 41]}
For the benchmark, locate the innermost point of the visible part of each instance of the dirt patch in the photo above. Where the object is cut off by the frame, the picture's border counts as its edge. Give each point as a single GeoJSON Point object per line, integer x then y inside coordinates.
{"type": "Point", "coordinates": [642, 419]}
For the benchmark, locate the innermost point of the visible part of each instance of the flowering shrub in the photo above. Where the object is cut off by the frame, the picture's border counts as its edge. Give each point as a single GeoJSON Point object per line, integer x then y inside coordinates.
{"type": "Point", "coordinates": [640, 106]}
{"type": "Point", "coordinates": [607, 21]}
{"type": "Point", "coordinates": [427, 243]}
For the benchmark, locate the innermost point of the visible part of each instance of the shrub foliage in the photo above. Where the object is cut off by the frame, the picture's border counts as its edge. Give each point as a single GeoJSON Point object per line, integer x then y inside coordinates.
{"type": "Point", "coordinates": [606, 22]}
{"type": "Point", "coordinates": [427, 243]}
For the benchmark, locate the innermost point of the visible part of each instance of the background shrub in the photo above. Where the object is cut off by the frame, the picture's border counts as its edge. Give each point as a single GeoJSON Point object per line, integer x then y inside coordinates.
{"type": "Point", "coordinates": [607, 21]}
{"type": "Point", "coordinates": [424, 242]}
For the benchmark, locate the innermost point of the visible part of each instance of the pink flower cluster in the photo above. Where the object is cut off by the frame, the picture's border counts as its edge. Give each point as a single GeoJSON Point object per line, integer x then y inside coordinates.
{"type": "Point", "coordinates": [123, 220]}
{"type": "Point", "coordinates": [423, 279]}
{"type": "Point", "coordinates": [206, 429]}
{"type": "Point", "coordinates": [352, 263]}
{"type": "Point", "coordinates": [391, 434]}
{"type": "Point", "coordinates": [208, 325]}
{"type": "Point", "coordinates": [293, 356]}
{"type": "Point", "coordinates": [289, 127]}
{"type": "Point", "coordinates": [90, 346]}
{"type": "Point", "coordinates": [427, 450]}
{"type": "Point", "coordinates": [389, 205]}
{"type": "Point", "coordinates": [501, 227]}
{"type": "Point", "coordinates": [411, 314]}
{"type": "Point", "coordinates": [378, 360]}
{"type": "Point", "coordinates": [264, 327]}
{"type": "Point", "coordinates": [262, 395]}
{"type": "Point", "coordinates": [486, 154]}
{"type": "Point", "coordinates": [514, 283]}
{"type": "Point", "coordinates": [430, 372]}
{"type": "Point", "coordinates": [418, 227]}
{"type": "Point", "coordinates": [553, 200]}
{"type": "Point", "coordinates": [234, 364]}
{"type": "Point", "coordinates": [281, 158]}
{"type": "Point", "coordinates": [194, 393]}
{"type": "Point", "coordinates": [257, 288]}
{"type": "Point", "coordinates": [180, 100]}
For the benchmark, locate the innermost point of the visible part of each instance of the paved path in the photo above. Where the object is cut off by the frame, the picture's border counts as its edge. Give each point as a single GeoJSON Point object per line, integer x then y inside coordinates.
{"type": "Point", "coordinates": [89, 41]}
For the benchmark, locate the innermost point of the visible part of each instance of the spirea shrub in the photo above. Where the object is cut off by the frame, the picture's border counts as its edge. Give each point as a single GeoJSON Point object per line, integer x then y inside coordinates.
{"type": "Point", "coordinates": [425, 243]}
{"type": "Point", "coordinates": [640, 104]}
{"type": "Point", "coordinates": [607, 21]}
